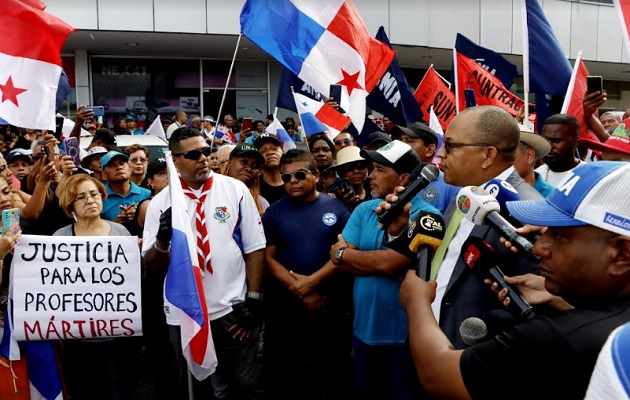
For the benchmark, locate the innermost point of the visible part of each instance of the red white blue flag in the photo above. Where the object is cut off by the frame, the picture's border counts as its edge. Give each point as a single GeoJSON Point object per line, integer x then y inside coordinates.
{"type": "Point", "coordinates": [30, 63]}
{"type": "Point", "coordinates": [184, 287]}
{"type": "Point", "coordinates": [323, 43]}
{"type": "Point", "coordinates": [319, 117]}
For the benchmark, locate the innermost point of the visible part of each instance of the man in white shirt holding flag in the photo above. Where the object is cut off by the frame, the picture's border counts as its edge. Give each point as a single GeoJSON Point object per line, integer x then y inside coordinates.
{"type": "Point", "coordinates": [224, 247]}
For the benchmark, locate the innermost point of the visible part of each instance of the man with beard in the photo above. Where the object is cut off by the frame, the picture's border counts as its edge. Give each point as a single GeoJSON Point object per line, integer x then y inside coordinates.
{"type": "Point", "coordinates": [562, 131]}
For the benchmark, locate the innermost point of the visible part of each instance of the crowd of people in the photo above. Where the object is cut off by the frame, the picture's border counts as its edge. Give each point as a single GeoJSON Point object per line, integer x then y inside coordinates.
{"type": "Point", "coordinates": [307, 296]}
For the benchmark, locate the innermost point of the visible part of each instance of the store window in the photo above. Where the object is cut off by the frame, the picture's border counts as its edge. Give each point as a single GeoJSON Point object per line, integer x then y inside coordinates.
{"type": "Point", "coordinates": [247, 94]}
{"type": "Point", "coordinates": [145, 87]}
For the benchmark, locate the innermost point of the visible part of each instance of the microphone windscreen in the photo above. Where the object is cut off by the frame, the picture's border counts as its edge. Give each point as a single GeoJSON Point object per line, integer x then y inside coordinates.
{"type": "Point", "coordinates": [472, 331]}
{"type": "Point", "coordinates": [475, 203]}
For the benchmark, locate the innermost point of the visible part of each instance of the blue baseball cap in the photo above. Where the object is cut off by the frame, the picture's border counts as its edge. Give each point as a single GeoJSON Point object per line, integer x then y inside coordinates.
{"type": "Point", "coordinates": [595, 193]}
{"type": "Point", "coordinates": [111, 155]}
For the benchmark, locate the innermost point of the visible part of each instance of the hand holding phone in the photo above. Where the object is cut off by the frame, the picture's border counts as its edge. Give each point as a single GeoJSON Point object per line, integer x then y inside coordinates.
{"type": "Point", "coordinates": [98, 111]}
{"type": "Point", "coordinates": [247, 124]}
{"type": "Point", "coordinates": [72, 149]}
{"type": "Point", "coordinates": [11, 221]}
{"type": "Point", "coordinates": [594, 84]}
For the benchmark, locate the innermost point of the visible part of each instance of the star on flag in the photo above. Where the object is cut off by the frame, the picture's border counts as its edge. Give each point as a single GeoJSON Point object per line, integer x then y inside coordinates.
{"type": "Point", "coordinates": [10, 92]}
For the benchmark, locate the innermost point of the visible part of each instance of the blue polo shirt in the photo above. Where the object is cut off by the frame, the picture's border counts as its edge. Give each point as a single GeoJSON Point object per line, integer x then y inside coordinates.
{"type": "Point", "coordinates": [111, 206]}
{"type": "Point", "coordinates": [379, 319]}
{"type": "Point", "coordinates": [439, 193]}
{"type": "Point", "coordinates": [543, 187]}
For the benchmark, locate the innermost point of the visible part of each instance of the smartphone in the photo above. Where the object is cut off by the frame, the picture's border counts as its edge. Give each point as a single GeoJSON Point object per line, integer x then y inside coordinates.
{"type": "Point", "coordinates": [49, 151]}
{"type": "Point", "coordinates": [72, 149]}
{"type": "Point", "coordinates": [594, 84]}
{"type": "Point", "coordinates": [9, 218]}
{"type": "Point", "coordinates": [99, 111]}
{"type": "Point", "coordinates": [247, 124]}
{"type": "Point", "coordinates": [335, 93]}
{"type": "Point", "coordinates": [58, 126]}
{"type": "Point", "coordinates": [469, 95]}
{"type": "Point", "coordinates": [340, 187]}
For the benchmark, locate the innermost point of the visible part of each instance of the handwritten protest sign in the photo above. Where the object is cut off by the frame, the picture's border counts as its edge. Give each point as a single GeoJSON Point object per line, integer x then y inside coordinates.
{"type": "Point", "coordinates": [76, 287]}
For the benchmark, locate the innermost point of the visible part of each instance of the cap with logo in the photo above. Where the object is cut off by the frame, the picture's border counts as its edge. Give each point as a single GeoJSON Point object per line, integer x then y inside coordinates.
{"type": "Point", "coordinates": [618, 141]}
{"type": "Point", "coordinates": [112, 155]}
{"type": "Point", "coordinates": [538, 142]}
{"type": "Point", "coordinates": [247, 150]}
{"type": "Point", "coordinates": [396, 154]}
{"type": "Point", "coordinates": [266, 138]}
{"type": "Point", "coordinates": [594, 193]}
{"type": "Point", "coordinates": [376, 138]}
{"type": "Point", "coordinates": [93, 152]}
{"type": "Point", "coordinates": [416, 130]}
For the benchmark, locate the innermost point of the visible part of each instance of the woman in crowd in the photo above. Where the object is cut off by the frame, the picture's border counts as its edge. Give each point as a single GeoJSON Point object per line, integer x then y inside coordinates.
{"type": "Point", "coordinates": [244, 164]}
{"type": "Point", "coordinates": [351, 166]}
{"type": "Point", "coordinates": [157, 177]}
{"type": "Point", "coordinates": [94, 368]}
{"type": "Point", "coordinates": [323, 150]}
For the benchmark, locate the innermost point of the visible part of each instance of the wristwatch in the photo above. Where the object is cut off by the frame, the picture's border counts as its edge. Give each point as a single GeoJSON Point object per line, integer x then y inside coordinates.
{"type": "Point", "coordinates": [253, 295]}
{"type": "Point", "coordinates": [339, 253]}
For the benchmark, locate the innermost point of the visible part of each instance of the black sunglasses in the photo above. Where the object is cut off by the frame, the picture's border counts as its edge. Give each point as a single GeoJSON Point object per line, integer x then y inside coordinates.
{"type": "Point", "coordinates": [299, 175]}
{"type": "Point", "coordinates": [195, 154]}
{"type": "Point", "coordinates": [360, 165]}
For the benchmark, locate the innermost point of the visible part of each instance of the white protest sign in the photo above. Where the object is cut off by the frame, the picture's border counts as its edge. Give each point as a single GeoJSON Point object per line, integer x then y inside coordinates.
{"type": "Point", "coordinates": [74, 287]}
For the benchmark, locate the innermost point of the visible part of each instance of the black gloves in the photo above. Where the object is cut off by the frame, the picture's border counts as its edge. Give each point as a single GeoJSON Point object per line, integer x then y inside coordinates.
{"type": "Point", "coordinates": [248, 314]}
{"type": "Point", "coordinates": [165, 231]}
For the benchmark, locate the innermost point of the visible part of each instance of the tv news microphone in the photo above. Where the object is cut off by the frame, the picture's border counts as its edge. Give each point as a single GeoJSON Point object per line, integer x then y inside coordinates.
{"type": "Point", "coordinates": [481, 208]}
{"type": "Point", "coordinates": [429, 228]}
{"type": "Point", "coordinates": [481, 258]}
{"type": "Point", "coordinates": [419, 178]}
{"type": "Point", "coordinates": [503, 192]}
{"type": "Point", "coordinates": [472, 331]}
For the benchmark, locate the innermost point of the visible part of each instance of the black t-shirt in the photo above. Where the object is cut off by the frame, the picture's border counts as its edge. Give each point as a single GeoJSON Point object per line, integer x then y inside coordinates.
{"type": "Point", "coordinates": [546, 358]}
{"type": "Point", "coordinates": [271, 193]}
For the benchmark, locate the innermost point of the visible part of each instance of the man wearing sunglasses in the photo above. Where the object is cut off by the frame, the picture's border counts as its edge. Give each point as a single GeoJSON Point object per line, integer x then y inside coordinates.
{"type": "Point", "coordinates": [479, 145]}
{"type": "Point", "coordinates": [344, 139]}
{"type": "Point", "coordinates": [308, 305]}
{"type": "Point", "coordinates": [230, 247]}
{"type": "Point", "coordinates": [380, 324]}
{"type": "Point", "coordinates": [424, 141]}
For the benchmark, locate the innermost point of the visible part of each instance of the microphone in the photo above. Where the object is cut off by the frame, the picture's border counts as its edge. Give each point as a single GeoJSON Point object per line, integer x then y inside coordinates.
{"type": "Point", "coordinates": [481, 258]}
{"type": "Point", "coordinates": [480, 208]}
{"type": "Point", "coordinates": [503, 192]}
{"type": "Point", "coordinates": [429, 229]}
{"type": "Point", "coordinates": [472, 331]}
{"type": "Point", "coordinates": [420, 177]}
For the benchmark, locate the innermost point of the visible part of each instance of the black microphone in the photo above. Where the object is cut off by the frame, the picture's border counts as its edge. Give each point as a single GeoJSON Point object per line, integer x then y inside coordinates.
{"type": "Point", "coordinates": [472, 331]}
{"type": "Point", "coordinates": [481, 258]}
{"type": "Point", "coordinates": [429, 228]}
{"type": "Point", "coordinates": [419, 178]}
{"type": "Point", "coordinates": [481, 208]}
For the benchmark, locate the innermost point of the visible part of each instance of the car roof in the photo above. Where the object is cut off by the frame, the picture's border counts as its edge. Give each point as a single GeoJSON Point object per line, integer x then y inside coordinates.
{"type": "Point", "coordinates": [157, 147]}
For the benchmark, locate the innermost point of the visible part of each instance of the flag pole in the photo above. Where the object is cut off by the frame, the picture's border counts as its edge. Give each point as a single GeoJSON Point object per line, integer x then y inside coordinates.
{"type": "Point", "coordinates": [298, 114]}
{"type": "Point", "coordinates": [456, 85]}
{"type": "Point", "coordinates": [525, 33]}
{"type": "Point", "coordinates": [227, 82]}
{"type": "Point", "coordinates": [571, 87]}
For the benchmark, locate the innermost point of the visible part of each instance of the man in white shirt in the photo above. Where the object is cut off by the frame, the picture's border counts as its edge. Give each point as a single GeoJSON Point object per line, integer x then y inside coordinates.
{"type": "Point", "coordinates": [233, 262]}
{"type": "Point", "coordinates": [180, 120]}
{"type": "Point", "coordinates": [563, 132]}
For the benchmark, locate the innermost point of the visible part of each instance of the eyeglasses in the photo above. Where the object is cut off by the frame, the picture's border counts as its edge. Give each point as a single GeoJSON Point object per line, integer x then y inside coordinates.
{"type": "Point", "coordinates": [299, 175]}
{"type": "Point", "coordinates": [195, 154]}
{"type": "Point", "coordinates": [83, 197]}
{"type": "Point", "coordinates": [448, 146]}
{"type": "Point", "coordinates": [345, 141]}
{"type": "Point", "coordinates": [360, 165]}
{"type": "Point", "coordinates": [139, 160]}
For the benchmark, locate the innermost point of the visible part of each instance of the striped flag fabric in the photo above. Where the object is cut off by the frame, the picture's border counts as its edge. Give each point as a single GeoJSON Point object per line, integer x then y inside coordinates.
{"type": "Point", "coordinates": [323, 43]}
{"type": "Point", "coordinates": [30, 63]}
{"type": "Point", "coordinates": [277, 129]}
{"type": "Point", "coordinates": [184, 287]}
{"type": "Point", "coordinates": [575, 94]}
{"type": "Point", "coordinates": [319, 117]}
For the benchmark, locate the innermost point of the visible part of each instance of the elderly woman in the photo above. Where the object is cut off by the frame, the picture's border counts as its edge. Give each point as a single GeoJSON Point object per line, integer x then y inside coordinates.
{"type": "Point", "coordinates": [351, 166]}
{"type": "Point", "coordinates": [244, 164]}
{"type": "Point", "coordinates": [93, 368]}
